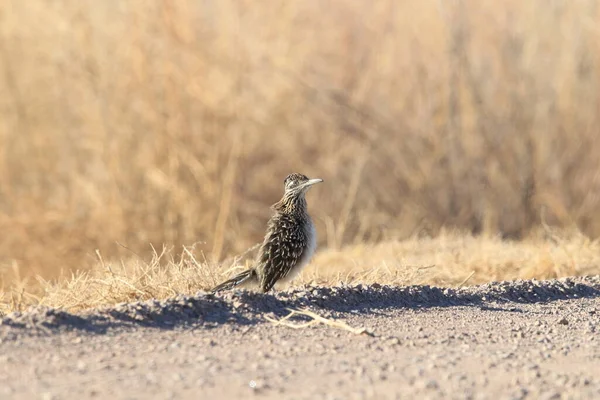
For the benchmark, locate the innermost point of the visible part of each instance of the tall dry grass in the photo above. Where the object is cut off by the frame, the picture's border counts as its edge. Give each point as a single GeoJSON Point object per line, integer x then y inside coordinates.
{"type": "Point", "coordinates": [175, 122]}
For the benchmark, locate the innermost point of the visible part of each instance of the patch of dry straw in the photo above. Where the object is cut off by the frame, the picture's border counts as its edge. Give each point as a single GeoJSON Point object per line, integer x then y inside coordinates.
{"type": "Point", "coordinates": [451, 259]}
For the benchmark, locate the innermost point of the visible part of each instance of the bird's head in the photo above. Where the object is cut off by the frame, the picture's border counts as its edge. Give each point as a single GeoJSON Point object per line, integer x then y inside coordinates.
{"type": "Point", "coordinates": [295, 184]}
{"type": "Point", "coordinates": [293, 200]}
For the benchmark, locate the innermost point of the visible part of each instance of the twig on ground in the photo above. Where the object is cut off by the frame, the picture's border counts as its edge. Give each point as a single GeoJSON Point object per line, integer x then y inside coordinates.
{"type": "Point", "coordinates": [315, 320]}
{"type": "Point", "coordinates": [467, 278]}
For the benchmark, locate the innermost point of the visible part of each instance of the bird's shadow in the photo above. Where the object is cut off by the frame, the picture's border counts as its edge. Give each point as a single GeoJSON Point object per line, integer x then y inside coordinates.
{"type": "Point", "coordinates": [246, 308]}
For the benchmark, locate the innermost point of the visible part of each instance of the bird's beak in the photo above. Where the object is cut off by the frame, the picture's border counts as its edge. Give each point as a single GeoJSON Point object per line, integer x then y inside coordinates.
{"type": "Point", "coordinates": [311, 182]}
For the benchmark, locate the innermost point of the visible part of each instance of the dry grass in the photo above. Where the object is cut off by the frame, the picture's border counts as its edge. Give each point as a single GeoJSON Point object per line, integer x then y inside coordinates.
{"type": "Point", "coordinates": [175, 121]}
{"type": "Point", "coordinates": [447, 260]}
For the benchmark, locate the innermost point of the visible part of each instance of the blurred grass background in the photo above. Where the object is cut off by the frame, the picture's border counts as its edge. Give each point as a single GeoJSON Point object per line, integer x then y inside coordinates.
{"type": "Point", "coordinates": [176, 122]}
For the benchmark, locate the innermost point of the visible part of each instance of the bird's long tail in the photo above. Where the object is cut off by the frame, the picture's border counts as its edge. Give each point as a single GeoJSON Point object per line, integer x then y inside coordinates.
{"type": "Point", "coordinates": [242, 278]}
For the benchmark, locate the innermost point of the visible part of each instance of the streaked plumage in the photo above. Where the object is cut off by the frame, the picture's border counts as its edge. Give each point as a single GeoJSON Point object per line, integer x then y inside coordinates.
{"type": "Point", "coordinates": [289, 243]}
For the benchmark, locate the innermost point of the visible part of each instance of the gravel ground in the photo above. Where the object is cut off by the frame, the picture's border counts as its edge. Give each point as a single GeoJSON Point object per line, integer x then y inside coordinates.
{"type": "Point", "coordinates": [505, 340]}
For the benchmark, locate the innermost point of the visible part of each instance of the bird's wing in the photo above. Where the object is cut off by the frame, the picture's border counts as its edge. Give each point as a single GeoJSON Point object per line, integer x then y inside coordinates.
{"type": "Point", "coordinates": [282, 250]}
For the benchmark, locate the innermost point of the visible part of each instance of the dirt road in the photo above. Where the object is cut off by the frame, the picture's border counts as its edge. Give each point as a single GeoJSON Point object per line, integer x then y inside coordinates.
{"type": "Point", "coordinates": [502, 341]}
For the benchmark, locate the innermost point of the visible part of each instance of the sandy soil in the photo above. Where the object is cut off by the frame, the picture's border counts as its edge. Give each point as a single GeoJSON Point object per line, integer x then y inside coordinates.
{"type": "Point", "coordinates": [523, 339]}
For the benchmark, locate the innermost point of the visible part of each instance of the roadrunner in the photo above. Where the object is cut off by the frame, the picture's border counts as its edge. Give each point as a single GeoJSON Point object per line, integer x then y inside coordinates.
{"type": "Point", "coordinates": [289, 243]}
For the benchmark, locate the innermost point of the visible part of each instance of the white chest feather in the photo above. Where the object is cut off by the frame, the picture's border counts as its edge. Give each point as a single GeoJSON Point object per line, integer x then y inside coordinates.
{"type": "Point", "coordinates": [312, 244]}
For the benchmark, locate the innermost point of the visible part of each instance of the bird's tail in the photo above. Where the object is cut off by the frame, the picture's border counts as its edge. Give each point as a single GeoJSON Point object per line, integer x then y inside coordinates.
{"type": "Point", "coordinates": [244, 277]}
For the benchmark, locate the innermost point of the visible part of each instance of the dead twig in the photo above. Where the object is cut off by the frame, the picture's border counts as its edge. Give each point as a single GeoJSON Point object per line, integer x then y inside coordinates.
{"type": "Point", "coordinates": [316, 319]}
{"type": "Point", "coordinates": [467, 278]}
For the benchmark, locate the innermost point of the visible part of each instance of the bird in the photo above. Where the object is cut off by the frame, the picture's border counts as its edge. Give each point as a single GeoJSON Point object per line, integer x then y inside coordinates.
{"type": "Point", "coordinates": [289, 243]}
